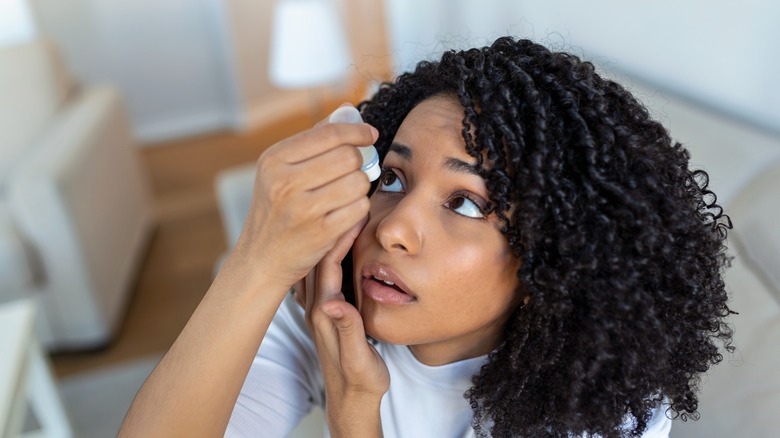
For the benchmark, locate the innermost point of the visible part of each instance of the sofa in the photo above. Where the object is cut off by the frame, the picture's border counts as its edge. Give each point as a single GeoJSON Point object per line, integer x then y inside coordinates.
{"type": "Point", "coordinates": [75, 210]}
{"type": "Point", "coordinates": [740, 396]}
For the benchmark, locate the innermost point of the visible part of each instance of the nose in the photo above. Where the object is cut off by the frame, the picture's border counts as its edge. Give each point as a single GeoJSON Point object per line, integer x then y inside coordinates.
{"type": "Point", "coordinates": [401, 227]}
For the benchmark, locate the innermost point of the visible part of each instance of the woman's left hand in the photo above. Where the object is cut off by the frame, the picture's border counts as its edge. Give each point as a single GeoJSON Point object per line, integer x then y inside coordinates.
{"type": "Point", "coordinates": [356, 376]}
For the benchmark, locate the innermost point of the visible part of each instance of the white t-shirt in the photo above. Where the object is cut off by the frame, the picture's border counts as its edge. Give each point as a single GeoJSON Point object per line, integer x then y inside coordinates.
{"type": "Point", "coordinates": [285, 382]}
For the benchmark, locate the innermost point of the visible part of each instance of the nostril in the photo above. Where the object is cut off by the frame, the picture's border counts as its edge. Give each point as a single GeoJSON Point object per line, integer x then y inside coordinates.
{"type": "Point", "coordinates": [401, 247]}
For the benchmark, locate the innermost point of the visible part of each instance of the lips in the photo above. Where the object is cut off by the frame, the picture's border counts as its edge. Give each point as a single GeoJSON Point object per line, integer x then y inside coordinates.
{"type": "Point", "coordinates": [382, 285]}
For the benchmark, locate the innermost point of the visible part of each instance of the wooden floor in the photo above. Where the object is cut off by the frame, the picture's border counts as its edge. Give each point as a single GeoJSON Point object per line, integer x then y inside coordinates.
{"type": "Point", "coordinates": [177, 268]}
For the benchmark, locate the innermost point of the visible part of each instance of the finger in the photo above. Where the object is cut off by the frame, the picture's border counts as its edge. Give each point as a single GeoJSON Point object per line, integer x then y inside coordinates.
{"type": "Point", "coordinates": [344, 243]}
{"type": "Point", "coordinates": [315, 141]}
{"type": "Point", "coordinates": [329, 272]}
{"type": "Point", "coordinates": [343, 218]}
{"type": "Point", "coordinates": [353, 348]}
{"type": "Point", "coordinates": [329, 166]}
{"type": "Point", "coordinates": [338, 194]}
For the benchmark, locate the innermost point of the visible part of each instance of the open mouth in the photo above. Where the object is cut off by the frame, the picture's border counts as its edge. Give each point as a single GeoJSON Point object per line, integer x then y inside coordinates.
{"type": "Point", "coordinates": [388, 283]}
{"type": "Point", "coordinates": [381, 289]}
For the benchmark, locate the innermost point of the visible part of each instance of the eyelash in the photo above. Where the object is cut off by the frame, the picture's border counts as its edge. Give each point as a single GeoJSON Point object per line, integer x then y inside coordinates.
{"type": "Point", "coordinates": [388, 171]}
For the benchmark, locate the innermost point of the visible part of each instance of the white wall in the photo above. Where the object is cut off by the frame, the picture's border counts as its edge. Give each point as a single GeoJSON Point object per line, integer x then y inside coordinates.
{"type": "Point", "coordinates": [164, 56]}
{"type": "Point", "coordinates": [720, 53]}
{"type": "Point", "coordinates": [188, 66]}
{"type": "Point", "coordinates": [706, 69]}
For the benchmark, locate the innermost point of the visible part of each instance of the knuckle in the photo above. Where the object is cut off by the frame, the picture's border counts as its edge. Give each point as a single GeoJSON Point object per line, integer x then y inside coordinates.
{"type": "Point", "coordinates": [364, 205]}
{"type": "Point", "coordinates": [271, 154]}
{"type": "Point", "coordinates": [346, 326]}
{"type": "Point", "coordinates": [319, 319]}
{"type": "Point", "coordinates": [347, 133]}
{"type": "Point", "coordinates": [262, 166]}
{"type": "Point", "coordinates": [330, 133]}
{"type": "Point", "coordinates": [368, 134]}
{"type": "Point", "coordinates": [280, 187]}
{"type": "Point", "coordinates": [363, 184]}
{"type": "Point", "coordinates": [355, 159]}
{"type": "Point", "coordinates": [267, 167]}
{"type": "Point", "coordinates": [358, 182]}
{"type": "Point", "coordinates": [315, 207]}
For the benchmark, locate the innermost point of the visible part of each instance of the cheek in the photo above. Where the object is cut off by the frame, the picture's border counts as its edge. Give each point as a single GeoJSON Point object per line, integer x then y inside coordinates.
{"type": "Point", "coordinates": [379, 209]}
{"type": "Point", "coordinates": [482, 265]}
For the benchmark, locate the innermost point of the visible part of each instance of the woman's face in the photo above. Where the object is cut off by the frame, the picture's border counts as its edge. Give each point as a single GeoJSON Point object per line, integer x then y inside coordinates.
{"type": "Point", "coordinates": [453, 271]}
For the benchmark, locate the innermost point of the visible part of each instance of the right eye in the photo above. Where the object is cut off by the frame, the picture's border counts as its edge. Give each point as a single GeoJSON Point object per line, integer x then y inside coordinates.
{"type": "Point", "coordinates": [390, 182]}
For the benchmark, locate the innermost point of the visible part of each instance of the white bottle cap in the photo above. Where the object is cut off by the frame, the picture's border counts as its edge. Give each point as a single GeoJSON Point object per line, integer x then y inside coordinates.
{"type": "Point", "coordinates": [372, 169]}
{"type": "Point", "coordinates": [350, 114]}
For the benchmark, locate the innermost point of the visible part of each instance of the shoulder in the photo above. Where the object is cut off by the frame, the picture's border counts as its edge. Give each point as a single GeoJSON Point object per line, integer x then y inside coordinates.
{"type": "Point", "coordinates": [658, 426]}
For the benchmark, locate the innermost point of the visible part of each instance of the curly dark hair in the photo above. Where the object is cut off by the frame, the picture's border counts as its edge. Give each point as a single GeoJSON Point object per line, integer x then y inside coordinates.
{"type": "Point", "coordinates": [622, 246]}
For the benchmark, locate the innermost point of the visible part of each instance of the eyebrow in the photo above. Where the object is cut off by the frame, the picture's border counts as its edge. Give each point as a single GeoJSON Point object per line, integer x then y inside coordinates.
{"type": "Point", "coordinates": [451, 163]}
{"type": "Point", "coordinates": [402, 150]}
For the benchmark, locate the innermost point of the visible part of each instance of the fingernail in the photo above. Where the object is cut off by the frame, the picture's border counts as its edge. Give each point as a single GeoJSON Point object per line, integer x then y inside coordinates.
{"type": "Point", "coordinates": [374, 132]}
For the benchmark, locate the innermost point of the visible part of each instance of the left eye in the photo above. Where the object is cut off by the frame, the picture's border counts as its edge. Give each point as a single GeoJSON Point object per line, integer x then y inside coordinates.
{"type": "Point", "coordinates": [464, 206]}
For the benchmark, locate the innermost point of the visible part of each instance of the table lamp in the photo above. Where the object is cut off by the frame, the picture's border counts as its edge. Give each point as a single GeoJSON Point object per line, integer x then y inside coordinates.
{"type": "Point", "coordinates": [308, 45]}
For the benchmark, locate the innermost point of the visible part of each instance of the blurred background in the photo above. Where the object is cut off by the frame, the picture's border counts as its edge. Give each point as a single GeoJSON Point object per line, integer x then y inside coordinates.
{"type": "Point", "coordinates": [128, 129]}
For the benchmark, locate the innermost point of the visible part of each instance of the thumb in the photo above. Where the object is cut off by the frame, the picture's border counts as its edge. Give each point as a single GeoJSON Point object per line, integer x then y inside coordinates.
{"type": "Point", "coordinates": [352, 334]}
{"type": "Point", "coordinates": [346, 319]}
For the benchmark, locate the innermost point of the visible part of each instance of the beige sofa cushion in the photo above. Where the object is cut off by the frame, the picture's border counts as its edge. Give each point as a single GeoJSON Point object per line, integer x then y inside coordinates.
{"type": "Point", "coordinates": [741, 396]}
{"type": "Point", "coordinates": [34, 83]}
{"type": "Point", "coordinates": [756, 213]}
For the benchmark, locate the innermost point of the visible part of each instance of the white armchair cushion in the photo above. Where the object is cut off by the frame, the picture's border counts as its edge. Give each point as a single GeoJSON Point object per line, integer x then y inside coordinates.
{"type": "Point", "coordinates": [80, 199]}
{"type": "Point", "coordinates": [78, 212]}
{"type": "Point", "coordinates": [33, 84]}
{"type": "Point", "coordinates": [15, 272]}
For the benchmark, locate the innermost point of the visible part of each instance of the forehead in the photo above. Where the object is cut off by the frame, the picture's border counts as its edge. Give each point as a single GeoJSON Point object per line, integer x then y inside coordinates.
{"type": "Point", "coordinates": [436, 122]}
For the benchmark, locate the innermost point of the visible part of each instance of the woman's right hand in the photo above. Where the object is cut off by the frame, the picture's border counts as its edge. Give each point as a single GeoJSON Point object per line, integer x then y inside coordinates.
{"type": "Point", "coordinates": [309, 190]}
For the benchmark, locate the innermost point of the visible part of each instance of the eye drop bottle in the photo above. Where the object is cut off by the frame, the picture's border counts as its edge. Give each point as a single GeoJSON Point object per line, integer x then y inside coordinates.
{"type": "Point", "coordinates": [350, 114]}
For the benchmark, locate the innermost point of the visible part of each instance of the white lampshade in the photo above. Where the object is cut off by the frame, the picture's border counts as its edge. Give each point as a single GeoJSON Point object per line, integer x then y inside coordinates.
{"type": "Point", "coordinates": [16, 22]}
{"type": "Point", "coordinates": [308, 45]}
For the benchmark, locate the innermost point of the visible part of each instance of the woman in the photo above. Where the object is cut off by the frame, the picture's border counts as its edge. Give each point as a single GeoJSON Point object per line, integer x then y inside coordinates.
{"type": "Point", "coordinates": [536, 260]}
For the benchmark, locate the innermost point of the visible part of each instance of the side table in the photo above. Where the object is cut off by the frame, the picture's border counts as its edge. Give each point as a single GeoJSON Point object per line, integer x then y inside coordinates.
{"type": "Point", "coordinates": [25, 377]}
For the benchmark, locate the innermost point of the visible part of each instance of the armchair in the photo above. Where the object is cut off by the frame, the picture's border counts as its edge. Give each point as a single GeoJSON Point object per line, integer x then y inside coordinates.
{"type": "Point", "coordinates": [74, 207]}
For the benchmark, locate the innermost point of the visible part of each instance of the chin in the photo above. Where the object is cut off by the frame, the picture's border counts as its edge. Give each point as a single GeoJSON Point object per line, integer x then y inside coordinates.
{"type": "Point", "coordinates": [385, 332]}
